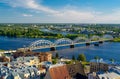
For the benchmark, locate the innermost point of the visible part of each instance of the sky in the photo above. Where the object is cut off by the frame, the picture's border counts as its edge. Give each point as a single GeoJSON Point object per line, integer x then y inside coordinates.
{"type": "Point", "coordinates": [60, 11]}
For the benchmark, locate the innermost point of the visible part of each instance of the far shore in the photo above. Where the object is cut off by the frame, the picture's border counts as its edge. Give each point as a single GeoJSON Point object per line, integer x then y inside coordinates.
{"type": "Point", "coordinates": [116, 40]}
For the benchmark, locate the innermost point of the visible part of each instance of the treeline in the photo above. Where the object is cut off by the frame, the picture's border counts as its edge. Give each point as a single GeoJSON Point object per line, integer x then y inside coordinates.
{"type": "Point", "coordinates": [18, 32]}
{"type": "Point", "coordinates": [31, 32]}
{"type": "Point", "coordinates": [34, 32]}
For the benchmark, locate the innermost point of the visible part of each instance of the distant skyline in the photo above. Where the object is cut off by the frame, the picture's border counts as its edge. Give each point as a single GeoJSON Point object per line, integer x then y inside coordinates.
{"type": "Point", "coordinates": [60, 11]}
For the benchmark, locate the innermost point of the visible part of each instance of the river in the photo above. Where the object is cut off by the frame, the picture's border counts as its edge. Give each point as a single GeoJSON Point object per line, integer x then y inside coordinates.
{"type": "Point", "coordinates": [107, 50]}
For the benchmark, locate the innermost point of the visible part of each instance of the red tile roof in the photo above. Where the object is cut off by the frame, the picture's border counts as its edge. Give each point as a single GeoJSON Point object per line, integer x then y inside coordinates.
{"type": "Point", "coordinates": [59, 72]}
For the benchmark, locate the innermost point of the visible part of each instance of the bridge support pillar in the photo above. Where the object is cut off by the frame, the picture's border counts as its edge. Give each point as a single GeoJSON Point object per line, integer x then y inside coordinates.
{"type": "Point", "coordinates": [100, 42]}
{"type": "Point", "coordinates": [52, 49]}
{"type": "Point", "coordinates": [72, 46]}
{"type": "Point", "coordinates": [87, 44]}
{"type": "Point", "coordinates": [96, 44]}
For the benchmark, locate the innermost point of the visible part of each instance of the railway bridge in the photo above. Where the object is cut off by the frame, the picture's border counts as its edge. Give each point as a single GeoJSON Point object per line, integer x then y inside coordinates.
{"type": "Point", "coordinates": [42, 44]}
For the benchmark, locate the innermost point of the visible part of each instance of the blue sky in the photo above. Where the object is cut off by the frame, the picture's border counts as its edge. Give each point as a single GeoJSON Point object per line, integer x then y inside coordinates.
{"type": "Point", "coordinates": [59, 11]}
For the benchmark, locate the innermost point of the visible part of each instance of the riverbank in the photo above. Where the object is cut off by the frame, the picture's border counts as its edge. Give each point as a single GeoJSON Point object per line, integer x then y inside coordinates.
{"type": "Point", "coordinates": [103, 51]}
{"type": "Point", "coordinates": [32, 32]}
{"type": "Point", "coordinates": [116, 40]}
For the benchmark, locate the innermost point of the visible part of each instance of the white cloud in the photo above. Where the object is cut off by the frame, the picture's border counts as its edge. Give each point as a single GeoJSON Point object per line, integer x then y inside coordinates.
{"type": "Point", "coordinates": [27, 15]}
{"type": "Point", "coordinates": [91, 16]}
{"type": "Point", "coordinates": [68, 13]}
{"type": "Point", "coordinates": [30, 4]}
{"type": "Point", "coordinates": [72, 16]}
{"type": "Point", "coordinates": [112, 17]}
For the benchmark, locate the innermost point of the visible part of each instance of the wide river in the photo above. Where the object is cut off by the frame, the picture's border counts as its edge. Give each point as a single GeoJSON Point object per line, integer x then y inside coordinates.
{"type": "Point", "coordinates": [107, 50]}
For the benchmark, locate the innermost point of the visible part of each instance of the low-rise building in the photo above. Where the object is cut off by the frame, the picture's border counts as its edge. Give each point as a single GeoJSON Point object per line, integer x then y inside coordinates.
{"type": "Point", "coordinates": [45, 57]}
{"type": "Point", "coordinates": [95, 67]}
{"type": "Point", "coordinates": [98, 65]}
{"type": "Point", "coordinates": [4, 59]}
{"type": "Point", "coordinates": [27, 72]}
{"type": "Point", "coordinates": [76, 71]}
{"type": "Point", "coordinates": [109, 75]}
{"type": "Point", "coordinates": [46, 64]}
{"type": "Point", "coordinates": [29, 61]}
{"type": "Point", "coordinates": [112, 73]}
{"type": "Point", "coordinates": [58, 71]}
{"type": "Point", "coordinates": [93, 76]}
{"type": "Point", "coordinates": [63, 71]}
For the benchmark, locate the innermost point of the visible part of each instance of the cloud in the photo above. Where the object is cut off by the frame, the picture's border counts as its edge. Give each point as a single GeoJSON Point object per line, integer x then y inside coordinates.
{"type": "Point", "coordinates": [27, 15]}
{"type": "Point", "coordinates": [67, 13]}
{"type": "Point", "coordinates": [30, 4]}
{"type": "Point", "coordinates": [111, 17]}
{"type": "Point", "coordinates": [73, 16]}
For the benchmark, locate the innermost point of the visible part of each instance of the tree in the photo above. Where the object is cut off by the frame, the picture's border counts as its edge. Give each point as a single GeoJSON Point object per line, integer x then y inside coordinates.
{"type": "Point", "coordinates": [68, 62]}
{"type": "Point", "coordinates": [96, 57]}
{"type": "Point", "coordinates": [81, 57]}
{"type": "Point", "coordinates": [54, 61]}
{"type": "Point", "coordinates": [73, 57]}
{"type": "Point", "coordinates": [112, 60]}
{"type": "Point", "coordinates": [57, 55]}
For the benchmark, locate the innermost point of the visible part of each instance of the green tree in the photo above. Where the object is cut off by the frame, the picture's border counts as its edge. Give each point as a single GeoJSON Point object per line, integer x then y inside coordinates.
{"type": "Point", "coordinates": [54, 61]}
{"type": "Point", "coordinates": [81, 57]}
{"type": "Point", "coordinates": [96, 57]}
{"type": "Point", "coordinates": [112, 60]}
{"type": "Point", "coordinates": [73, 57]}
{"type": "Point", "coordinates": [68, 62]}
{"type": "Point", "coordinates": [57, 55]}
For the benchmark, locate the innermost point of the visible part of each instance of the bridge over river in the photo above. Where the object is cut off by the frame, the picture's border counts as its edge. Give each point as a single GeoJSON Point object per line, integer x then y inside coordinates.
{"type": "Point", "coordinates": [42, 44]}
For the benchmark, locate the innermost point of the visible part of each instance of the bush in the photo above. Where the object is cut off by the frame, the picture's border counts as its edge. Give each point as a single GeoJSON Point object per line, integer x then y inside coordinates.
{"type": "Point", "coordinates": [81, 57]}
{"type": "Point", "coordinates": [54, 61]}
{"type": "Point", "coordinates": [68, 62]}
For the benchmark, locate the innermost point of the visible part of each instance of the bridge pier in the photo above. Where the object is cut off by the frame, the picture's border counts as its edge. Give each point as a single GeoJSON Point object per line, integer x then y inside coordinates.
{"type": "Point", "coordinates": [87, 44]}
{"type": "Point", "coordinates": [96, 44]}
{"type": "Point", "coordinates": [72, 46]}
{"type": "Point", "coordinates": [52, 49]}
{"type": "Point", "coordinates": [100, 42]}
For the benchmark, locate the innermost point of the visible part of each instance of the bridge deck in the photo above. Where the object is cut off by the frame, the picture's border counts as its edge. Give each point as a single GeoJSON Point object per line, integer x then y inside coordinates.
{"type": "Point", "coordinates": [47, 46]}
{"type": "Point", "coordinates": [61, 45]}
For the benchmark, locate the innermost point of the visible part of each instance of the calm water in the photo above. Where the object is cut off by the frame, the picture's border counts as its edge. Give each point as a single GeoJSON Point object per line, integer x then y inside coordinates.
{"type": "Point", "coordinates": [106, 50]}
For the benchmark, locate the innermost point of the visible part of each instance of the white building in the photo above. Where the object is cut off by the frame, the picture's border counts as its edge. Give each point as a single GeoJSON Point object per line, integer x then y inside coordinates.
{"type": "Point", "coordinates": [28, 72]}
{"type": "Point", "coordinates": [112, 73]}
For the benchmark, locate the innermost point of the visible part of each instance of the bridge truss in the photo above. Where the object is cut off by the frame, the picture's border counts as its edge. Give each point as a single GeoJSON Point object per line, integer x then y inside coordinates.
{"type": "Point", "coordinates": [66, 41]}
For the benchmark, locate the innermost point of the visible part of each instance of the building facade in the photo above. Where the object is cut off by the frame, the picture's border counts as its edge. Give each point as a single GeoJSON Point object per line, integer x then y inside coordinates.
{"type": "Point", "coordinates": [95, 67]}
{"type": "Point", "coordinates": [45, 57]}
